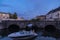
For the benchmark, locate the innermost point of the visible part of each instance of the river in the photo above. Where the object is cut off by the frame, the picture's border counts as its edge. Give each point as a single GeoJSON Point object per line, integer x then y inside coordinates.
{"type": "Point", "coordinates": [39, 37]}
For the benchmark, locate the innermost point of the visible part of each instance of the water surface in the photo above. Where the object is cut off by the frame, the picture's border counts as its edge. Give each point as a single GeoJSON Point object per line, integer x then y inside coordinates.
{"type": "Point", "coordinates": [39, 37]}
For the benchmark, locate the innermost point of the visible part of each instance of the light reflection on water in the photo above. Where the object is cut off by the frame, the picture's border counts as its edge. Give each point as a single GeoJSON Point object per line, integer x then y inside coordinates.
{"type": "Point", "coordinates": [39, 37]}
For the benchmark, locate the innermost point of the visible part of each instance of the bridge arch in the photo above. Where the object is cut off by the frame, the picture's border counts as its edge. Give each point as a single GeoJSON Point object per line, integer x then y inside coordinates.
{"type": "Point", "coordinates": [31, 26]}
{"type": "Point", "coordinates": [13, 28]}
{"type": "Point", "coordinates": [50, 28]}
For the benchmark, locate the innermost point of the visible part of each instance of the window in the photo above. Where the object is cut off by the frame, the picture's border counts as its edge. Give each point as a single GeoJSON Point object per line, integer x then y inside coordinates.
{"type": "Point", "coordinates": [57, 14]}
{"type": "Point", "coordinates": [7, 17]}
{"type": "Point", "coordinates": [3, 17]}
{"type": "Point", "coordinates": [51, 17]}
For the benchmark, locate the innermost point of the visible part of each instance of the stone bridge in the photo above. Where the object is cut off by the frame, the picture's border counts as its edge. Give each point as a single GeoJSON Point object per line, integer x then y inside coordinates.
{"type": "Point", "coordinates": [23, 23]}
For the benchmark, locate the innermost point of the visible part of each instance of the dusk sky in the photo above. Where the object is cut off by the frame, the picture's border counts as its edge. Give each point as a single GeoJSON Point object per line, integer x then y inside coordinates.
{"type": "Point", "coordinates": [28, 8]}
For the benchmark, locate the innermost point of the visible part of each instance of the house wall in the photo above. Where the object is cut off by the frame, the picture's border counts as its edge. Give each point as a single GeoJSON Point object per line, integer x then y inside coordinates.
{"type": "Point", "coordinates": [52, 16]}
{"type": "Point", "coordinates": [4, 16]}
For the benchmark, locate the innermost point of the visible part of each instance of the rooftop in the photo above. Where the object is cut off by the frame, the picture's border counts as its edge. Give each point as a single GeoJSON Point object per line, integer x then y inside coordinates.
{"type": "Point", "coordinates": [54, 10]}
{"type": "Point", "coordinates": [3, 13]}
{"type": "Point", "coordinates": [41, 16]}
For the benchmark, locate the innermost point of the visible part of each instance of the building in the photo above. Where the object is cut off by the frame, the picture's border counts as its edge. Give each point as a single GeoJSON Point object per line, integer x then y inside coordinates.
{"type": "Point", "coordinates": [53, 14]}
{"type": "Point", "coordinates": [42, 17]}
{"type": "Point", "coordinates": [4, 15]}
{"type": "Point", "coordinates": [19, 18]}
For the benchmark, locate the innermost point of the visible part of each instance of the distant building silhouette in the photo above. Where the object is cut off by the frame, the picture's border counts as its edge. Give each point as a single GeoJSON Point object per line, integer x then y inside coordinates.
{"type": "Point", "coordinates": [42, 17]}
{"type": "Point", "coordinates": [4, 15]}
{"type": "Point", "coordinates": [53, 14]}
